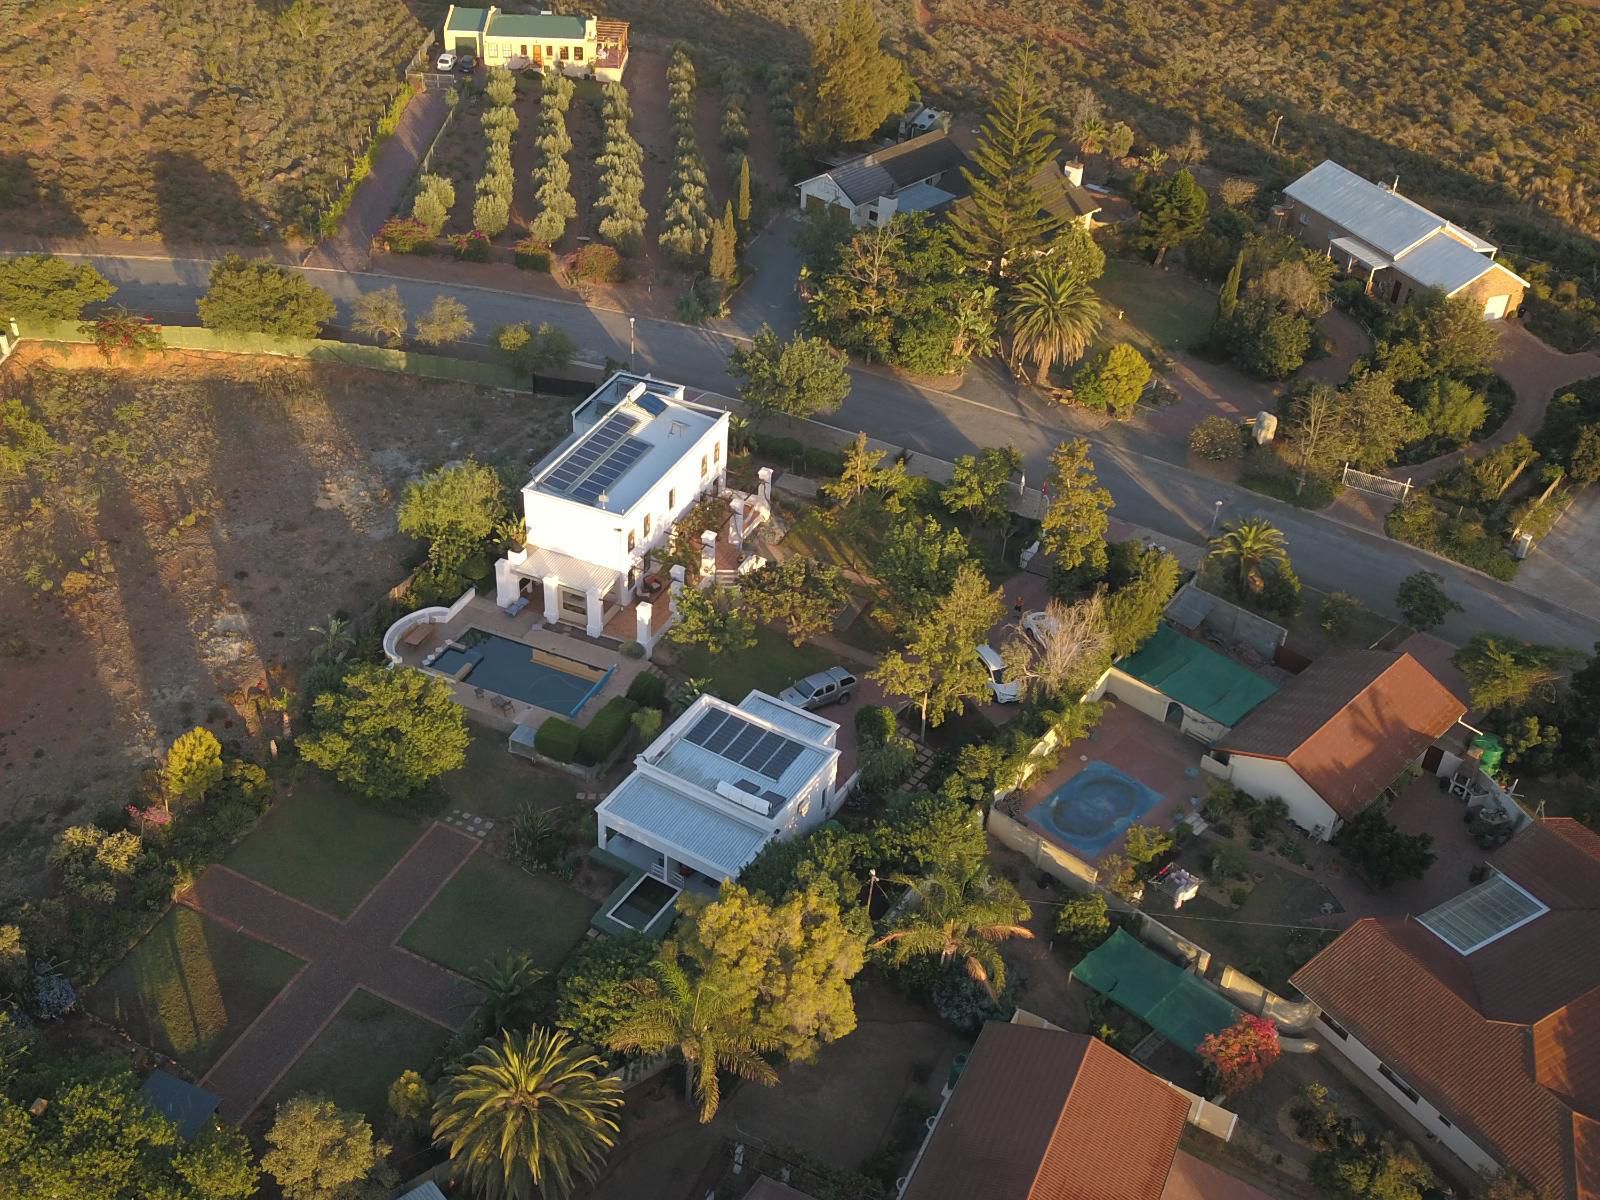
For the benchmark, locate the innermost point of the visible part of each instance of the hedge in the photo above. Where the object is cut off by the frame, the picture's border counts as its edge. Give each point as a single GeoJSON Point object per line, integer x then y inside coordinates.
{"type": "Point", "coordinates": [799, 456]}
{"type": "Point", "coordinates": [875, 725]}
{"type": "Point", "coordinates": [558, 739]}
{"type": "Point", "coordinates": [648, 690]}
{"type": "Point", "coordinates": [605, 731]}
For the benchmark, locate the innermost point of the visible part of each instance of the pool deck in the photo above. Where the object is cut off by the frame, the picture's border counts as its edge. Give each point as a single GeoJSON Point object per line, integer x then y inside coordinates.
{"type": "Point", "coordinates": [529, 628]}
{"type": "Point", "coordinates": [1154, 754]}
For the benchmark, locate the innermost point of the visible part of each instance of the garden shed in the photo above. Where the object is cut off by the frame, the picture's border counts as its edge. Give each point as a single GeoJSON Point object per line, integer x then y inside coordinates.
{"type": "Point", "coordinates": [1186, 684]}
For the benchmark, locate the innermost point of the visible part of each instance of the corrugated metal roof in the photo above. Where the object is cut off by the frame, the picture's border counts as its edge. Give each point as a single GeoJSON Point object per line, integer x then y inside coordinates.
{"type": "Point", "coordinates": [678, 821]}
{"type": "Point", "coordinates": [1362, 252]}
{"type": "Point", "coordinates": [706, 768]}
{"type": "Point", "coordinates": [807, 725]}
{"type": "Point", "coordinates": [1376, 215]}
{"type": "Point", "coordinates": [465, 20]}
{"type": "Point", "coordinates": [1444, 263]}
{"type": "Point", "coordinates": [537, 25]}
{"type": "Point", "coordinates": [921, 197]}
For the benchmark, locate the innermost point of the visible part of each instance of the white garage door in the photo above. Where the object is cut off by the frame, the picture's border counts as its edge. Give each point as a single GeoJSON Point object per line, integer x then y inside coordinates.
{"type": "Point", "coordinates": [1495, 307]}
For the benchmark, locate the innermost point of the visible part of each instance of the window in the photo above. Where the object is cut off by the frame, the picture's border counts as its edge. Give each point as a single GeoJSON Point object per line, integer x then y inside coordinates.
{"type": "Point", "coordinates": [1338, 1029]}
{"type": "Point", "coordinates": [716, 453]}
{"type": "Point", "coordinates": [705, 466]}
{"type": "Point", "coordinates": [549, 51]}
{"type": "Point", "coordinates": [672, 499]}
{"type": "Point", "coordinates": [563, 54]}
{"type": "Point", "coordinates": [1445, 1121]}
{"type": "Point", "coordinates": [631, 541]}
{"type": "Point", "coordinates": [574, 603]}
{"type": "Point", "coordinates": [872, 215]}
{"type": "Point", "coordinates": [577, 53]}
{"type": "Point", "coordinates": [647, 525]}
{"type": "Point", "coordinates": [1401, 1085]}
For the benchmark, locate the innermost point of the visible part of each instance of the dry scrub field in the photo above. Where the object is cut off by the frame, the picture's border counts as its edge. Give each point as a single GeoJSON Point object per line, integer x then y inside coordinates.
{"type": "Point", "coordinates": [201, 512]}
{"type": "Point", "coordinates": [190, 119]}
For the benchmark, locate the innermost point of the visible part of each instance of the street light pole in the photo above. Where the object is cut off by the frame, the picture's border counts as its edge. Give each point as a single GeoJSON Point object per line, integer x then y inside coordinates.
{"type": "Point", "coordinates": [631, 322]}
{"type": "Point", "coordinates": [1216, 512]}
{"type": "Point", "coordinates": [1278, 120]}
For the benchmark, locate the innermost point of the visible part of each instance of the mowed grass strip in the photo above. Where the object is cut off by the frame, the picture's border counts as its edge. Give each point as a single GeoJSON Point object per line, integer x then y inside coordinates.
{"type": "Point", "coordinates": [190, 987]}
{"type": "Point", "coordinates": [323, 846]}
{"type": "Point", "coordinates": [771, 665]}
{"type": "Point", "coordinates": [490, 907]}
{"type": "Point", "coordinates": [359, 1054]}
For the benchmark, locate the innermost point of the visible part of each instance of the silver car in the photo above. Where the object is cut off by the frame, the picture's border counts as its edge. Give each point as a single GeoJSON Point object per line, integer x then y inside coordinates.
{"type": "Point", "coordinates": [833, 686]}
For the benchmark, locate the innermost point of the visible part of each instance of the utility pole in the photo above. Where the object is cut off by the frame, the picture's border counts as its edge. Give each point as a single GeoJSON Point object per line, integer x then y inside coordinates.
{"type": "Point", "coordinates": [1276, 121]}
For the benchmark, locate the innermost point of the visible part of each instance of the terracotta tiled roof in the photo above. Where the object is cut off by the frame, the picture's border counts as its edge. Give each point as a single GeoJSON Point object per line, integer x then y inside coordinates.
{"type": "Point", "coordinates": [1504, 1041]}
{"type": "Point", "coordinates": [1042, 1114]}
{"type": "Point", "coordinates": [1349, 724]}
{"type": "Point", "coordinates": [1195, 1179]}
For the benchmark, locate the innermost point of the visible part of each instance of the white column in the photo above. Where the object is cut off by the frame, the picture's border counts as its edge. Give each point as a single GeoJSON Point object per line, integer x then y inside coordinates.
{"type": "Point", "coordinates": [552, 599]}
{"type": "Point", "coordinates": [708, 554]}
{"type": "Point", "coordinates": [675, 588]}
{"type": "Point", "coordinates": [597, 615]}
{"type": "Point", "coordinates": [764, 488]}
{"type": "Point", "coordinates": [738, 521]}
{"type": "Point", "coordinates": [507, 583]}
{"type": "Point", "coordinates": [641, 625]}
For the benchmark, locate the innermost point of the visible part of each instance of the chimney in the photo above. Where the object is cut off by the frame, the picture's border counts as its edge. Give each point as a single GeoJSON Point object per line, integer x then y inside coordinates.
{"type": "Point", "coordinates": [1074, 173]}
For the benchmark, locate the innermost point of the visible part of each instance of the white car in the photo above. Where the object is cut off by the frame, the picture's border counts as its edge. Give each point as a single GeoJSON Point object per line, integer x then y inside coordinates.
{"type": "Point", "coordinates": [446, 62]}
{"type": "Point", "coordinates": [1039, 626]}
{"type": "Point", "coordinates": [1003, 692]}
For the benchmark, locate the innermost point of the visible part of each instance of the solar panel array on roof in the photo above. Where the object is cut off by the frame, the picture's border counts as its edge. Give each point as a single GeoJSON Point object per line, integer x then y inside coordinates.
{"type": "Point", "coordinates": [599, 460]}
{"type": "Point", "coordinates": [652, 404]}
{"type": "Point", "coordinates": [1481, 914]}
{"type": "Point", "coordinates": [732, 737]}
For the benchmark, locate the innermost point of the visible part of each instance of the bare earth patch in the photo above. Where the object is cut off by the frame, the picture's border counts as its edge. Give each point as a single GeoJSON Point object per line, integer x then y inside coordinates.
{"type": "Point", "coordinates": [205, 510]}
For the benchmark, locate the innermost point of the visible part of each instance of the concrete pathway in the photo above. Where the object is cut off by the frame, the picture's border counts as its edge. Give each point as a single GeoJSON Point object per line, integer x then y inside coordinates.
{"type": "Point", "coordinates": [340, 956]}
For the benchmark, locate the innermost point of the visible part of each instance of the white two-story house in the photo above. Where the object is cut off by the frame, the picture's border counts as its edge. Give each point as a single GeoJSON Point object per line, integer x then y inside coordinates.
{"type": "Point", "coordinates": [717, 785]}
{"type": "Point", "coordinates": [639, 457]}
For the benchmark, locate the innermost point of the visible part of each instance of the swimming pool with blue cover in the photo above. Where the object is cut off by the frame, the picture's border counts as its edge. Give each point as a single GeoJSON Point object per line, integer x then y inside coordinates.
{"type": "Point", "coordinates": [1094, 808]}
{"type": "Point", "coordinates": [506, 666]}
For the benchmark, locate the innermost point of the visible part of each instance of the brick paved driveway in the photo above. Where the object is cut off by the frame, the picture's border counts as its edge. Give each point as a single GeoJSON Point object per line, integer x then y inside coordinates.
{"type": "Point", "coordinates": [340, 956]}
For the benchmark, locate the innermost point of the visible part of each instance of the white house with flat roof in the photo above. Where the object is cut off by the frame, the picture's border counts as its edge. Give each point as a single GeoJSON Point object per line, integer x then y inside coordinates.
{"type": "Point", "coordinates": [717, 785]}
{"type": "Point", "coordinates": [639, 457]}
{"type": "Point", "coordinates": [575, 45]}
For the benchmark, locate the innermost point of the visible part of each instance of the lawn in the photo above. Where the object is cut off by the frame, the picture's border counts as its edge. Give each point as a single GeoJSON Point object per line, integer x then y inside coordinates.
{"type": "Point", "coordinates": [496, 784]}
{"type": "Point", "coordinates": [1163, 312]}
{"type": "Point", "coordinates": [490, 906]}
{"type": "Point", "coordinates": [190, 987]}
{"type": "Point", "coordinates": [360, 1053]}
{"type": "Point", "coordinates": [323, 846]}
{"type": "Point", "coordinates": [771, 665]}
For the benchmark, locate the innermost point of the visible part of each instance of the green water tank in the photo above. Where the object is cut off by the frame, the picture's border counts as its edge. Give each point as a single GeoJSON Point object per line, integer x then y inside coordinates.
{"type": "Point", "coordinates": [1493, 752]}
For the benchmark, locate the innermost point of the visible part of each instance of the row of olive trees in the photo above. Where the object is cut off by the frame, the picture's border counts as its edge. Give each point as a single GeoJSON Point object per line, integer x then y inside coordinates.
{"type": "Point", "coordinates": [491, 210]}
{"type": "Point", "coordinates": [621, 175]}
{"type": "Point", "coordinates": [686, 220]}
{"type": "Point", "coordinates": [552, 178]}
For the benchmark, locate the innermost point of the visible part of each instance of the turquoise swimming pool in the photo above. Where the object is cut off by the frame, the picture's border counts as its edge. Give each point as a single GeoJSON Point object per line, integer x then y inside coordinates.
{"type": "Point", "coordinates": [1095, 807]}
{"type": "Point", "coordinates": [515, 669]}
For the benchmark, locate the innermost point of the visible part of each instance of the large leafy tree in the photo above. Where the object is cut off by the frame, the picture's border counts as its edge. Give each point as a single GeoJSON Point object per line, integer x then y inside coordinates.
{"type": "Point", "coordinates": [940, 670]}
{"type": "Point", "coordinates": [785, 965]}
{"type": "Point", "coordinates": [387, 734]}
{"type": "Point", "coordinates": [1171, 211]}
{"type": "Point", "coordinates": [1239, 1056]}
{"type": "Point", "coordinates": [1449, 333]}
{"type": "Point", "coordinates": [961, 916]}
{"type": "Point", "coordinates": [527, 1115]}
{"type": "Point", "coordinates": [1051, 316]}
{"type": "Point", "coordinates": [193, 767]}
{"type": "Point", "coordinates": [864, 475]}
{"type": "Point", "coordinates": [39, 285]}
{"type": "Point", "coordinates": [1247, 549]}
{"type": "Point", "coordinates": [801, 594]}
{"type": "Point", "coordinates": [247, 295]}
{"type": "Point", "coordinates": [455, 509]}
{"type": "Point", "coordinates": [318, 1151]}
{"type": "Point", "coordinates": [922, 833]}
{"type": "Point", "coordinates": [1003, 218]}
{"type": "Point", "coordinates": [696, 1017]}
{"type": "Point", "coordinates": [980, 483]}
{"type": "Point", "coordinates": [1423, 602]}
{"type": "Point", "coordinates": [917, 563]}
{"type": "Point", "coordinates": [1133, 611]}
{"type": "Point", "coordinates": [855, 84]}
{"type": "Point", "coordinates": [713, 618]}
{"type": "Point", "coordinates": [799, 378]}
{"type": "Point", "coordinates": [1073, 528]}
{"type": "Point", "coordinates": [1113, 382]}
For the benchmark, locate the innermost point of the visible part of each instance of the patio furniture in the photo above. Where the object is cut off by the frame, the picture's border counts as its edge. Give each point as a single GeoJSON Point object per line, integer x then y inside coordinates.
{"type": "Point", "coordinates": [417, 634]}
{"type": "Point", "coordinates": [515, 607]}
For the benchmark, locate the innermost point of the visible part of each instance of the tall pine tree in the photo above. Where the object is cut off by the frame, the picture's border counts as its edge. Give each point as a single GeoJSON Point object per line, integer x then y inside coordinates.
{"type": "Point", "coordinates": [1227, 300]}
{"type": "Point", "coordinates": [1003, 217]}
{"type": "Point", "coordinates": [724, 262]}
{"type": "Point", "coordinates": [855, 84]}
{"type": "Point", "coordinates": [1171, 211]}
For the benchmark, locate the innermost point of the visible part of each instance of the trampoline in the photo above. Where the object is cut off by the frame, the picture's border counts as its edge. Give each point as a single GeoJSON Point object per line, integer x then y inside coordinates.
{"type": "Point", "coordinates": [1094, 808]}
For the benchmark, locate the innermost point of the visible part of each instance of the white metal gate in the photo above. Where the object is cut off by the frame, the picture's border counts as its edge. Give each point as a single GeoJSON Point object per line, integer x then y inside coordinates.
{"type": "Point", "coordinates": [1377, 485]}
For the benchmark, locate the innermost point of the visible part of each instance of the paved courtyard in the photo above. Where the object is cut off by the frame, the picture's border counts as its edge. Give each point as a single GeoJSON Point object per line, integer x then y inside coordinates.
{"type": "Point", "coordinates": [340, 956]}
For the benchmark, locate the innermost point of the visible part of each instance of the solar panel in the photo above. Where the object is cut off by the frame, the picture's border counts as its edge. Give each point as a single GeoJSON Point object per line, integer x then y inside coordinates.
{"type": "Point", "coordinates": [1482, 914]}
{"type": "Point", "coordinates": [745, 742]}
{"type": "Point", "coordinates": [782, 760]}
{"type": "Point", "coordinates": [723, 738]}
{"type": "Point", "coordinates": [769, 745]}
{"type": "Point", "coordinates": [706, 726]}
{"type": "Point", "coordinates": [747, 785]}
{"type": "Point", "coordinates": [654, 405]}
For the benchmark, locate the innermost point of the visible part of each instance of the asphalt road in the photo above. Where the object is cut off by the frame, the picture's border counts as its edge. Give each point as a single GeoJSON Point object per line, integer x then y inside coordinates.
{"type": "Point", "coordinates": [987, 411]}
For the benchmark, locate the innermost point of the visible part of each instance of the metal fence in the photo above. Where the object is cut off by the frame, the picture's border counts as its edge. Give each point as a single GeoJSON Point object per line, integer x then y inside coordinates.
{"type": "Point", "coordinates": [1376, 485]}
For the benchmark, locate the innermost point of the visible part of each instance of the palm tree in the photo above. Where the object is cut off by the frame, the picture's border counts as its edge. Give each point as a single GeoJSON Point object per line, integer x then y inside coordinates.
{"type": "Point", "coordinates": [1052, 317]}
{"type": "Point", "coordinates": [337, 639]}
{"type": "Point", "coordinates": [965, 913]}
{"type": "Point", "coordinates": [507, 980]}
{"type": "Point", "coordinates": [693, 1017]}
{"type": "Point", "coordinates": [526, 1112]}
{"type": "Point", "coordinates": [1091, 136]}
{"type": "Point", "coordinates": [1246, 547]}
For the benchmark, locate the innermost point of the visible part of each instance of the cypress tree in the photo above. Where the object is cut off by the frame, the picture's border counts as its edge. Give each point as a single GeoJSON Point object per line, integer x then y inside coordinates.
{"type": "Point", "coordinates": [1003, 218]}
{"type": "Point", "coordinates": [743, 212]}
{"type": "Point", "coordinates": [855, 84]}
{"type": "Point", "coordinates": [724, 264]}
{"type": "Point", "coordinates": [1227, 299]}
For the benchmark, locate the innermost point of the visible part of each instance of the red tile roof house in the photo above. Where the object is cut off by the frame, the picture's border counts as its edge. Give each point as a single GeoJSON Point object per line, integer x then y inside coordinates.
{"type": "Point", "coordinates": [1337, 735]}
{"type": "Point", "coordinates": [1043, 1114]}
{"type": "Point", "coordinates": [1481, 1017]}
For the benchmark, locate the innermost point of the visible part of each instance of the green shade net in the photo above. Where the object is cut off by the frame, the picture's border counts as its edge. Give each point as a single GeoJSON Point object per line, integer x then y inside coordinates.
{"type": "Point", "coordinates": [1174, 1003]}
{"type": "Point", "coordinates": [1197, 676]}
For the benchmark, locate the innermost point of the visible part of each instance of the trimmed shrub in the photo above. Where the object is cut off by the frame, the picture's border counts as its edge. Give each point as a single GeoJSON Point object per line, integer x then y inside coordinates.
{"type": "Point", "coordinates": [605, 731]}
{"type": "Point", "coordinates": [631, 649]}
{"type": "Point", "coordinates": [531, 255]}
{"type": "Point", "coordinates": [875, 724]}
{"type": "Point", "coordinates": [599, 263]}
{"type": "Point", "coordinates": [648, 690]}
{"type": "Point", "coordinates": [558, 739]}
{"type": "Point", "coordinates": [1217, 438]}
